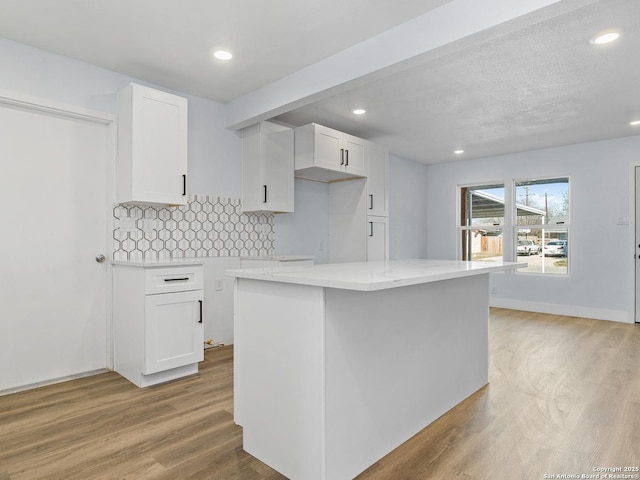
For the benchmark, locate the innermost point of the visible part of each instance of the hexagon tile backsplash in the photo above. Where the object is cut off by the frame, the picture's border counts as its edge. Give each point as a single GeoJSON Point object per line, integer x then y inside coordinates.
{"type": "Point", "coordinates": [208, 226]}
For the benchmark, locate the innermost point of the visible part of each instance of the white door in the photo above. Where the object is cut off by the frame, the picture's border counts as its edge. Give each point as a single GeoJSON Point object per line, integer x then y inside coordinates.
{"type": "Point", "coordinates": [53, 292]}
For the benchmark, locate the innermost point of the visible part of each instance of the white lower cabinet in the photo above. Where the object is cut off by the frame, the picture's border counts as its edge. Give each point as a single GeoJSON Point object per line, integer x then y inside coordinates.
{"type": "Point", "coordinates": [173, 331]}
{"type": "Point", "coordinates": [158, 315]}
{"type": "Point", "coordinates": [377, 238]}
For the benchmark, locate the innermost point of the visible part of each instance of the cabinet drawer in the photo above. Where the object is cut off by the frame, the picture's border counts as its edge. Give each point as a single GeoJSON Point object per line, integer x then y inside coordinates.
{"type": "Point", "coordinates": [173, 279]}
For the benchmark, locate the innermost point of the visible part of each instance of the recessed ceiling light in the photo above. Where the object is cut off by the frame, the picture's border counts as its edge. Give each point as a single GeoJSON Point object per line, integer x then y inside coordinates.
{"type": "Point", "coordinates": [607, 36]}
{"type": "Point", "coordinates": [635, 123]}
{"type": "Point", "coordinates": [359, 111]}
{"type": "Point", "coordinates": [458, 152]}
{"type": "Point", "coordinates": [222, 55]}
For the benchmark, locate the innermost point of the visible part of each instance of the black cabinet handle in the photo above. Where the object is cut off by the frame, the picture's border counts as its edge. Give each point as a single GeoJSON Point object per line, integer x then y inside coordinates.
{"type": "Point", "coordinates": [342, 156]}
{"type": "Point", "coordinates": [346, 156]}
{"type": "Point", "coordinates": [371, 229]}
{"type": "Point", "coordinates": [176, 279]}
{"type": "Point", "coordinates": [370, 202]}
{"type": "Point", "coordinates": [184, 185]}
{"type": "Point", "coordinates": [200, 302]}
{"type": "Point", "coordinates": [264, 187]}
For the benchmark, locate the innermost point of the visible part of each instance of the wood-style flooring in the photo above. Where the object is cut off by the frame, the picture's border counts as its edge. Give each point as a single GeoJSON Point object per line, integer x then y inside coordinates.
{"type": "Point", "coordinates": [563, 399]}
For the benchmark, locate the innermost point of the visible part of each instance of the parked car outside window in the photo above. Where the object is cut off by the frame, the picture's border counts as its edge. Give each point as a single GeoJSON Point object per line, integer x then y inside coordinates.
{"type": "Point", "coordinates": [556, 248]}
{"type": "Point", "coordinates": [527, 247]}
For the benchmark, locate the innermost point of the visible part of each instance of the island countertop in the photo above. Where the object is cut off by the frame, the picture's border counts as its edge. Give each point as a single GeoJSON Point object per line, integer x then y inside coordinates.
{"type": "Point", "coordinates": [372, 276]}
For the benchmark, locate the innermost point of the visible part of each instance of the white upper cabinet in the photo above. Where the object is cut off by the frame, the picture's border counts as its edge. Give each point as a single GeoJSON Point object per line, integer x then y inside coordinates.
{"type": "Point", "coordinates": [327, 155]}
{"type": "Point", "coordinates": [378, 181]}
{"type": "Point", "coordinates": [152, 147]}
{"type": "Point", "coordinates": [267, 168]}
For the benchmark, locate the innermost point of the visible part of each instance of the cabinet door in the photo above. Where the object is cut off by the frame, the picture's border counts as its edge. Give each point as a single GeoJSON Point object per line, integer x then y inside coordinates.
{"type": "Point", "coordinates": [377, 239]}
{"type": "Point", "coordinates": [327, 144]}
{"type": "Point", "coordinates": [278, 169]}
{"type": "Point", "coordinates": [378, 181]}
{"type": "Point", "coordinates": [152, 146]}
{"type": "Point", "coordinates": [355, 158]}
{"type": "Point", "coordinates": [174, 333]}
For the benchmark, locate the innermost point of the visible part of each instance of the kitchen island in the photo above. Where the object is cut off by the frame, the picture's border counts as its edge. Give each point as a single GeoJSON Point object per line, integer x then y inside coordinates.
{"type": "Point", "coordinates": [336, 365]}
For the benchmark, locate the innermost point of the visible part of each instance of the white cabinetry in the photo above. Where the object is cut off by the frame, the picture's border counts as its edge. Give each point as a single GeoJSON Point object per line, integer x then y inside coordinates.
{"type": "Point", "coordinates": [358, 213]}
{"type": "Point", "coordinates": [267, 168]}
{"type": "Point", "coordinates": [158, 329]}
{"type": "Point", "coordinates": [377, 238]}
{"type": "Point", "coordinates": [378, 181]}
{"type": "Point", "coordinates": [327, 155]}
{"type": "Point", "coordinates": [152, 147]}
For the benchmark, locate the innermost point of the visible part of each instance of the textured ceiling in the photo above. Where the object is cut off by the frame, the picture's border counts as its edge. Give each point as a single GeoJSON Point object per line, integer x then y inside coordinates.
{"type": "Point", "coordinates": [538, 83]}
{"type": "Point", "coordinates": [540, 86]}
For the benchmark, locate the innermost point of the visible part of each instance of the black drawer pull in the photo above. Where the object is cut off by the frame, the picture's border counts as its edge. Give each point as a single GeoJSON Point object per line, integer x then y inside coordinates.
{"type": "Point", "coordinates": [200, 321]}
{"type": "Point", "coordinates": [176, 279]}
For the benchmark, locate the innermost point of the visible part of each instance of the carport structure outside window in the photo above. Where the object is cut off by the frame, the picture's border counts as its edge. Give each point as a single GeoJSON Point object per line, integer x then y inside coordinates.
{"type": "Point", "coordinates": [536, 211]}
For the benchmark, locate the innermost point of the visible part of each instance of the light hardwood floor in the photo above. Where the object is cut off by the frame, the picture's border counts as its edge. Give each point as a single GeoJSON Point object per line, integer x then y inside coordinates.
{"type": "Point", "coordinates": [563, 398]}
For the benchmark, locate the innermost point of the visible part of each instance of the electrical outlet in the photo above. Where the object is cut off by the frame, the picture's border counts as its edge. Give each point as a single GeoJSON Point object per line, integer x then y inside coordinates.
{"type": "Point", "coordinates": [219, 285]}
{"type": "Point", "coordinates": [494, 290]}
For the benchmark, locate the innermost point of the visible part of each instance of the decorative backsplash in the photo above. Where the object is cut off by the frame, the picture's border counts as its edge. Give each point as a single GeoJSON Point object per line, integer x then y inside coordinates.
{"type": "Point", "coordinates": [208, 226]}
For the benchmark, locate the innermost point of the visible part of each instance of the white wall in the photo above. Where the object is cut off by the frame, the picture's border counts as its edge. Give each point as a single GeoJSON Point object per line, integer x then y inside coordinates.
{"type": "Point", "coordinates": [306, 230]}
{"type": "Point", "coordinates": [407, 208]}
{"type": "Point", "coordinates": [214, 151]}
{"type": "Point", "coordinates": [601, 259]}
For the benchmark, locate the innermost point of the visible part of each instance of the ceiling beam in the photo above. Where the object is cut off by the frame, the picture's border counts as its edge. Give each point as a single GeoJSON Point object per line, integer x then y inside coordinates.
{"type": "Point", "coordinates": [438, 32]}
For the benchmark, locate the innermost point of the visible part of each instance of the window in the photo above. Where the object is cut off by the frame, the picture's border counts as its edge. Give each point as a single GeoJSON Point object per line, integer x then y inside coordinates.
{"type": "Point", "coordinates": [542, 225]}
{"type": "Point", "coordinates": [482, 222]}
{"type": "Point", "coordinates": [531, 216]}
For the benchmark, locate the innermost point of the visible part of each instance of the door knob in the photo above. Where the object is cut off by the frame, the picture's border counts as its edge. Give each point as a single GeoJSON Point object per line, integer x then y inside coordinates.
{"type": "Point", "coordinates": [100, 258]}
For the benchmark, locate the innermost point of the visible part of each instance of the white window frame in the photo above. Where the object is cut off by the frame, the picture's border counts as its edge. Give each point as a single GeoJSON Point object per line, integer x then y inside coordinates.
{"type": "Point", "coordinates": [509, 227]}
{"type": "Point", "coordinates": [546, 227]}
{"type": "Point", "coordinates": [506, 241]}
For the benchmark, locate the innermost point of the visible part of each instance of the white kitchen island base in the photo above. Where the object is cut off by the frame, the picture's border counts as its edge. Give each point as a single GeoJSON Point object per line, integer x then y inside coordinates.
{"type": "Point", "coordinates": [329, 380]}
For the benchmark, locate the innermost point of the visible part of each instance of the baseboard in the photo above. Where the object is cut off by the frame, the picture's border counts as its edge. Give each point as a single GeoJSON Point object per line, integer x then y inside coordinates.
{"type": "Point", "coordinates": [31, 386]}
{"type": "Point", "coordinates": [558, 309]}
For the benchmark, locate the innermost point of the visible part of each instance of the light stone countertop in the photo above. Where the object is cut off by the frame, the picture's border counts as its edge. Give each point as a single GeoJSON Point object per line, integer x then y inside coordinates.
{"type": "Point", "coordinates": [371, 276]}
{"type": "Point", "coordinates": [163, 262]}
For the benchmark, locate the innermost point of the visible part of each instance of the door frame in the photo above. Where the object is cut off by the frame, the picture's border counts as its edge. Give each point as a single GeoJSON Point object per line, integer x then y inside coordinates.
{"type": "Point", "coordinates": [634, 303]}
{"type": "Point", "coordinates": [51, 107]}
